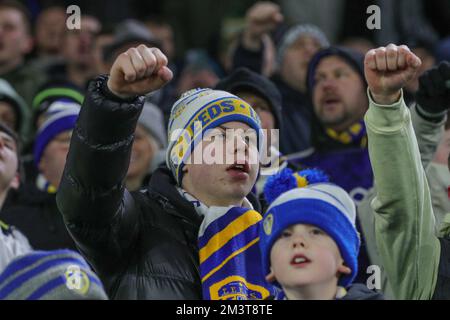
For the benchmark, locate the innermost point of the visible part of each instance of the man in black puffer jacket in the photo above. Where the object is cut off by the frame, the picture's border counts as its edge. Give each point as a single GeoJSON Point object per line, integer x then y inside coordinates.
{"type": "Point", "coordinates": [143, 245]}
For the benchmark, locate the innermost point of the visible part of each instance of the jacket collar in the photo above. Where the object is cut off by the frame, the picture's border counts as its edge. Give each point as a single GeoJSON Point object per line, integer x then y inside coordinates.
{"type": "Point", "coordinates": [162, 186]}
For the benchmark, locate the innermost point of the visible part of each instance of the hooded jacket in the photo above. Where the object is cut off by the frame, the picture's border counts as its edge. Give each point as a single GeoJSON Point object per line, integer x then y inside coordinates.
{"type": "Point", "coordinates": [20, 108]}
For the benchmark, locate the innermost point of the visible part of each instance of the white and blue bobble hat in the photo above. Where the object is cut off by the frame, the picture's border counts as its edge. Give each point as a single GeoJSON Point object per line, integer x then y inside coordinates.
{"type": "Point", "coordinates": [208, 108]}
{"type": "Point", "coordinates": [324, 205]}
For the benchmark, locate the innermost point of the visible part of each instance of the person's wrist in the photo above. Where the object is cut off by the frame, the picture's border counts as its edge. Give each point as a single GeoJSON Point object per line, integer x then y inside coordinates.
{"type": "Point", "coordinates": [114, 95]}
{"type": "Point", "coordinates": [385, 98]}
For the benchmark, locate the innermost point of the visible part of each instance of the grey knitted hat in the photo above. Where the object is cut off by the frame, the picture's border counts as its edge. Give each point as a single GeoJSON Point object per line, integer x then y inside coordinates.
{"type": "Point", "coordinates": [50, 275]}
{"type": "Point", "coordinates": [152, 120]}
{"type": "Point", "coordinates": [297, 31]}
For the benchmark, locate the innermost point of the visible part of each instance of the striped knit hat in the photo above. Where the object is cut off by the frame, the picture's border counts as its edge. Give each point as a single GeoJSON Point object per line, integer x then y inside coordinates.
{"type": "Point", "coordinates": [306, 197]}
{"type": "Point", "coordinates": [208, 108]}
{"type": "Point", "coordinates": [50, 275]}
{"type": "Point", "coordinates": [296, 32]}
{"type": "Point", "coordinates": [62, 119]}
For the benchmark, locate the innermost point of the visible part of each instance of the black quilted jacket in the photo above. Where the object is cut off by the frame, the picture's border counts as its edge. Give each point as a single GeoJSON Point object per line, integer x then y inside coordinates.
{"type": "Point", "coordinates": [143, 245]}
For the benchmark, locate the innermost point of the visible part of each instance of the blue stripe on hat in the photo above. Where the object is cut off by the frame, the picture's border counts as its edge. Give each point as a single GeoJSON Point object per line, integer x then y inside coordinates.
{"type": "Point", "coordinates": [25, 261]}
{"type": "Point", "coordinates": [17, 282]}
{"type": "Point", "coordinates": [47, 287]}
{"type": "Point", "coordinates": [54, 283]}
{"type": "Point", "coordinates": [318, 213]}
{"type": "Point", "coordinates": [50, 131]}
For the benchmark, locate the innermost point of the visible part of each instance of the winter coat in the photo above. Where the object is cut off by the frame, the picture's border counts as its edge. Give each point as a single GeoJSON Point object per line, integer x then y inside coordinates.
{"type": "Point", "coordinates": [143, 245]}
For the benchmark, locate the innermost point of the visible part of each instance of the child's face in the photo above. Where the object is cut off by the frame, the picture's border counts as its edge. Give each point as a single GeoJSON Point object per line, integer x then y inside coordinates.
{"type": "Point", "coordinates": [305, 255]}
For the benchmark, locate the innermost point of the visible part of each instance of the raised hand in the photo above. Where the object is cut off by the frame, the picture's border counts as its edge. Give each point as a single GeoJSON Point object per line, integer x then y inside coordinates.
{"type": "Point", "coordinates": [261, 19]}
{"type": "Point", "coordinates": [139, 71]}
{"type": "Point", "coordinates": [433, 95]}
{"type": "Point", "coordinates": [387, 70]}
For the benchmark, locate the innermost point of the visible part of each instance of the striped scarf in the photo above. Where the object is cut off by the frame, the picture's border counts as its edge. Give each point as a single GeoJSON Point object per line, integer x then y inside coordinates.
{"type": "Point", "coordinates": [355, 135]}
{"type": "Point", "coordinates": [230, 259]}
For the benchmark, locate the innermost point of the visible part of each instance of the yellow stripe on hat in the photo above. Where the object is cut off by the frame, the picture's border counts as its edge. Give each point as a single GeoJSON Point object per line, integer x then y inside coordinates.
{"type": "Point", "coordinates": [237, 226]}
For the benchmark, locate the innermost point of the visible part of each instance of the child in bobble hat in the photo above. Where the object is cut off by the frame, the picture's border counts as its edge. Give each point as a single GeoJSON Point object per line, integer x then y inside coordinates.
{"type": "Point", "coordinates": [308, 238]}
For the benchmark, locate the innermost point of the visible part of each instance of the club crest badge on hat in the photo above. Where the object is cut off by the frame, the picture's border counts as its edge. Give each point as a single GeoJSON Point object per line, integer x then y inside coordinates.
{"type": "Point", "coordinates": [77, 280]}
{"type": "Point", "coordinates": [268, 224]}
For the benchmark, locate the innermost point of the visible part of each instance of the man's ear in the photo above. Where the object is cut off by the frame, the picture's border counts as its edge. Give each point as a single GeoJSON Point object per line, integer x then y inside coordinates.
{"type": "Point", "coordinates": [15, 182]}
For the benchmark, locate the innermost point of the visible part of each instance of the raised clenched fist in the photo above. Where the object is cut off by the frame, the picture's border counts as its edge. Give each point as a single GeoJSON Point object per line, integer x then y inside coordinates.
{"type": "Point", "coordinates": [139, 71]}
{"type": "Point", "coordinates": [387, 70]}
{"type": "Point", "coordinates": [261, 19]}
{"type": "Point", "coordinates": [433, 95]}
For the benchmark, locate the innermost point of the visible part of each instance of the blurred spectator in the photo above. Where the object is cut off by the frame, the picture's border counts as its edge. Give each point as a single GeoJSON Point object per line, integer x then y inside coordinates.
{"type": "Point", "coordinates": [432, 131]}
{"type": "Point", "coordinates": [104, 38]}
{"type": "Point", "coordinates": [130, 33]}
{"type": "Point", "coordinates": [163, 32]}
{"type": "Point", "coordinates": [50, 275]}
{"type": "Point", "coordinates": [148, 149]}
{"type": "Point", "coordinates": [50, 92]}
{"type": "Point", "coordinates": [255, 48]}
{"type": "Point", "coordinates": [13, 111]}
{"type": "Point", "coordinates": [442, 50]}
{"type": "Point", "coordinates": [360, 45]}
{"type": "Point", "coordinates": [328, 15]}
{"type": "Point", "coordinates": [33, 209]}
{"type": "Point", "coordinates": [199, 71]}
{"type": "Point", "coordinates": [294, 52]}
{"type": "Point", "coordinates": [339, 142]}
{"type": "Point", "coordinates": [12, 242]}
{"type": "Point", "coordinates": [438, 176]}
{"type": "Point", "coordinates": [15, 43]}
{"type": "Point", "coordinates": [49, 31]}
{"type": "Point", "coordinates": [424, 49]}
{"type": "Point", "coordinates": [78, 53]}
{"type": "Point", "coordinates": [338, 88]}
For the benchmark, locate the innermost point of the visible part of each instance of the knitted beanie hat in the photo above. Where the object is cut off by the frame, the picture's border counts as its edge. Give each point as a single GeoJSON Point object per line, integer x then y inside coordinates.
{"type": "Point", "coordinates": [197, 111]}
{"type": "Point", "coordinates": [353, 58]}
{"type": "Point", "coordinates": [307, 198]}
{"type": "Point", "coordinates": [296, 32]}
{"type": "Point", "coordinates": [56, 90]}
{"type": "Point", "coordinates": [57, 123]}
{"type": "Point", "coordinates": [50, 275]}
{"type": "Point", "coordinates": [152, 120]}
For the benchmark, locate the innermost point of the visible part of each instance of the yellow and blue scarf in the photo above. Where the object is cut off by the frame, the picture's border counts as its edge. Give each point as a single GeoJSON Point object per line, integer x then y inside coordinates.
{"type": "Point", "coordinates": [230, 258]}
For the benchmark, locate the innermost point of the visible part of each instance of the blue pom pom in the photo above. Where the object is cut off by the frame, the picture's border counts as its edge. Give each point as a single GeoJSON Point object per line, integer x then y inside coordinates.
{"type": "Point", "coordinates": [314, 176]}
{"type": "Point", "coordinates": [285, 181]}
{"type": "Point", "coordinates": [278, 184]}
